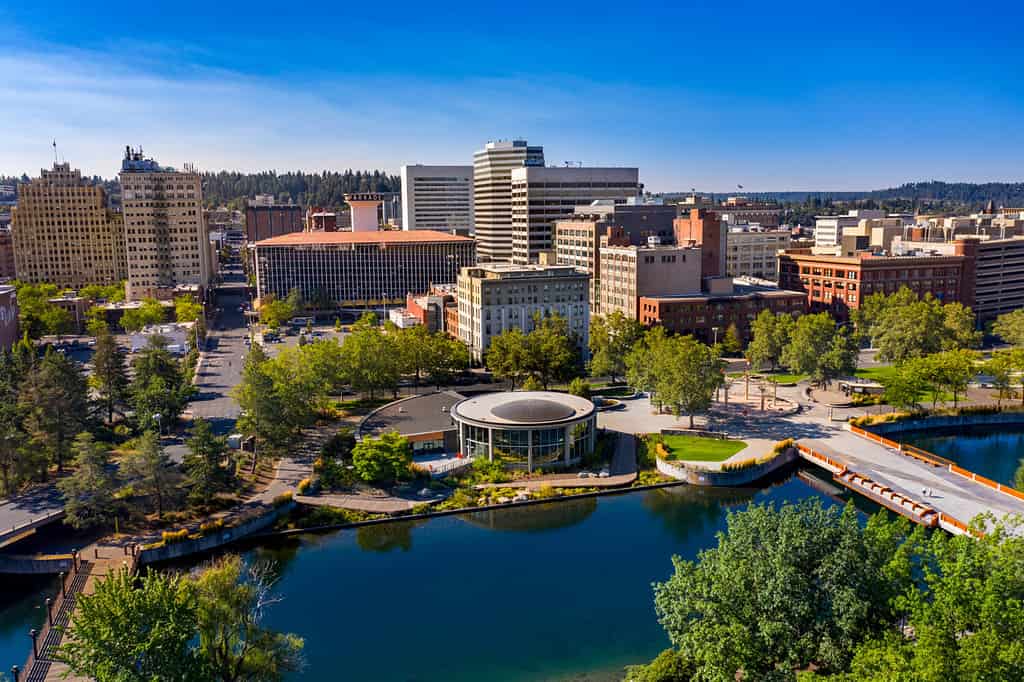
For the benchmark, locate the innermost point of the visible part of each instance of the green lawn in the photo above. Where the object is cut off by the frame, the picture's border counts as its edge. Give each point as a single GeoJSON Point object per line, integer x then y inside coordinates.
{"type": "Point", "coordinates": [881, 373]}
{"type": "Point", "coordinates": [783, 378]}
{"type": "Point", "coordinates": [702, 449]}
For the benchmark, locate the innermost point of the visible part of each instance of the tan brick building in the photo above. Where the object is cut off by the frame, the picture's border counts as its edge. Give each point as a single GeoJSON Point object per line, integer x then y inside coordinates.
{"type": "Point", "coordinates": [629, 272]}
{"type": "Point", "coordinates": [63, 232]}
{"type": "Point", "coordinates": [166, 233]}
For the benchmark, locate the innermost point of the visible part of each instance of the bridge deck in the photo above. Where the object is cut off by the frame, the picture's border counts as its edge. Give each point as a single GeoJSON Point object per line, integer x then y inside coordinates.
{"type": "Point", "coordinates": [936, 486]}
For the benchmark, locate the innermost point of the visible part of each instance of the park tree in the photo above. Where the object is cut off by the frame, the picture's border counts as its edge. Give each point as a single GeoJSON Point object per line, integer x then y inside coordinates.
{"type": "Point", "coordinates": [731, 344]}
{"type": "Point", "coordinates": [611, 338]}
{"type": "Point", "coordinates": [13, 463]}
{"type": "Point", "coordinates": [234, 645]}
{"type": "Point", "coordinates": [204, 464]}
{"type": "Point", "coordinates": [300, 392]}
{"type": "Point", "coordinates": [817, 348]}
{"type": "Point", "coordinates": [551, 354]}
{"type": "Point", "coordinates": [149, 312]}
{"type": "Point", "coordinates": [261, 411]}
{"type": "Point", "coordinates": [669, 666]}
{"type": "Point", "coordinates": [274, 312]}
{"type": "Point", "coordinates": [371, 357]}
{"type": "Point", "coordinates": [951, 371]}
{"type": "Point", "coordinates": [149, 466]}
{"type": "Point", "coordinates": [159, 386]}
{"type": "Point", "coordinates": [506, 356]}
{"type": "Point", "coordinates": [382, 460]}
{"type": "Point", "coordinates": [903, 326]}
{"type": "Point", "coordinates": [1001, 368]}
{"type": "Point", "coordinates": [55, 407]}
{"type": "Point", "coordinates": [451, 357]}
{"type": "Point", "coordinates": [640, 367]}
{"type": "Point", "coordinates": [818, 587]}
{"type": "Point", "coordinates": [89, 491]}
{"type": "Point", "coordinates": [771, 334]}
{"type": "Point", "coordinates": [111, 293]}
{"type": "Point", "coordinates": [186, 309]}
{"type": "Point", "coordinates": [135, 630]}
{"type": "Point", "coordinates": [109, 378]}
{"type": "Point", "coordinates": [36, 315]}
{"type": "Point", "coordinates": [906, 385]}
{"type": "Point", "coordinates": [1010, 327]}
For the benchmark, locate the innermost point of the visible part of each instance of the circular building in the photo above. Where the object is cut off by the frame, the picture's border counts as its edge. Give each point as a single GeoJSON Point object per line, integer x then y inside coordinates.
{"type": "Point", "coordinates": [526, 429]}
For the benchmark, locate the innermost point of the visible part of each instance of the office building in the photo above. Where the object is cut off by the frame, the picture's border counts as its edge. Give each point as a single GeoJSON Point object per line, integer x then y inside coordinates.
{"type": "Point", "coordinates": [753, 252]}
{"type": "Point", "coordinates": [63, 233]}
{"type": "Point", "coordinates": [578, 236]}
{"type": "Point", "coordinates": [541, 196]}
{"type": "Point", "coordinates": [356, 269]}
{"type": "Point", "coordinates": [629, 272]}
{"type": "Point", "coordinates": [495, 297]}
{"type": "Point", "coordinates": [264, 219]}
{"type": "Point", "coordinates": [437, 198]}
{"type": "Point", "coordinates": [828, 229]}
{"type": "Point", "coordinates": [492, 194]}
{"type": "Point", "coordinates": [839, 284]}
{"type": "Point", "coordinates": [168, 248]}
{"type": "Point", "coordinates": [726, 301]}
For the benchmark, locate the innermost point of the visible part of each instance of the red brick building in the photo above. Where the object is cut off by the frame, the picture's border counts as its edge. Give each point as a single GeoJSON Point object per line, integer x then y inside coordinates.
{"type": "Point", "coordinates": [838, 284]}
{"type": "Point", "coordinates": [703, 228]}
{"type": "Point", "coordinates": [708, 315]}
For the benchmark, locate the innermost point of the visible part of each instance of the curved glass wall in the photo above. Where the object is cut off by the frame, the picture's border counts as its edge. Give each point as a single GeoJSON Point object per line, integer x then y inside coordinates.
{"type": "Point", "coordinates": [512, 448]}
{"type": "Point", "coordinates": [476, 440]}
{"type": "Point", "coordinates": [548, 446]}
{"type": "Point", "coordinates": [581, 437]}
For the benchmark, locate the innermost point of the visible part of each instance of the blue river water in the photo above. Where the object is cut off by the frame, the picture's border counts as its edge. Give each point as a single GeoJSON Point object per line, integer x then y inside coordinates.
{"type": "Point", "coordinates": [548, 592]}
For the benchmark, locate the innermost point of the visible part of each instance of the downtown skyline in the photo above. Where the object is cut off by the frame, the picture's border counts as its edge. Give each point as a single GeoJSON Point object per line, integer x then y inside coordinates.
{"type": "Point", "coordinates": [693, 97]}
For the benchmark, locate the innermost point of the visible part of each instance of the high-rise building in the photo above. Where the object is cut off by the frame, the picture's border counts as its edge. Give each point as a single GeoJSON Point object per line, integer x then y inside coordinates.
{"type": "Point", "coordinates": [495, 297]}
{"type": "Point", "coordinates": [751, 252]}
{"type": "Point", "coordinates": [492, 194]}
{"type": "Point", "coordinates": [540, 196]}
{"type": "Point", "coordinates": [64, 233]}
{"type": "Point", "coordinates": [167, 242]}
{"type": "Point", "coordinates": [437, 198]}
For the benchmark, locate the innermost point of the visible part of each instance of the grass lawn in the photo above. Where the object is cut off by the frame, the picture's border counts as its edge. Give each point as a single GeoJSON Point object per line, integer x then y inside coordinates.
{"type": "Point", "coordinates": [783, 378]}
{"type": "Point", "coordinates": [881, 373]}
{"type": "Point", "coordinates": [702, 449]}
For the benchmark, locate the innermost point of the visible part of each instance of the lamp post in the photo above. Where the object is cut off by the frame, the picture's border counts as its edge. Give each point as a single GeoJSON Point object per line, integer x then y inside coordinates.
{"type": "Point", "coordinates": [159, 427]}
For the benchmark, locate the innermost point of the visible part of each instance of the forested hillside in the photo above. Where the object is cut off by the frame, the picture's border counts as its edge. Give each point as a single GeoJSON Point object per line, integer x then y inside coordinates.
{"type": "Point", "coordinates": [317, 189]}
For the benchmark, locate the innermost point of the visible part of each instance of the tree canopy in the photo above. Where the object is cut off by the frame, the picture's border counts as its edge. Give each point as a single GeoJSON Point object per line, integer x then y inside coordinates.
{"type": "Point", "coordinates": [903, 326]}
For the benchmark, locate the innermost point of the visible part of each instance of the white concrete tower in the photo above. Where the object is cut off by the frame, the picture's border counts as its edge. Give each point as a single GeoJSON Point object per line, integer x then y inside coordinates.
{"type": "Point", "coordinates": [364, 211]}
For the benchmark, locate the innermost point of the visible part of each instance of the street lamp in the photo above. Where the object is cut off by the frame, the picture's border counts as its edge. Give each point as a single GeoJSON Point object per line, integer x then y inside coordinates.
{"type": "Point", "coordinates": [159, 429]}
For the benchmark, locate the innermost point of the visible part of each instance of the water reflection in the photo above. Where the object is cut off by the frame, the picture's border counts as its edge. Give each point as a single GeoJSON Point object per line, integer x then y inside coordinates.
{"type": "Point", "coordinates": [535, 518]}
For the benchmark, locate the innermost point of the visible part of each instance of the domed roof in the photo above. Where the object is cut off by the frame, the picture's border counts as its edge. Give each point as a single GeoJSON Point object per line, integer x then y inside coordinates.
{"type": "Point", "coordinates": [533, 411]}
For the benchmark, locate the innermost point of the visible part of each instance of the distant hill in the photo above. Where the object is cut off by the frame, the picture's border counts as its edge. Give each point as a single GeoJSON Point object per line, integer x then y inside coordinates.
{"type": "Point", "coordinates": [934, 191]}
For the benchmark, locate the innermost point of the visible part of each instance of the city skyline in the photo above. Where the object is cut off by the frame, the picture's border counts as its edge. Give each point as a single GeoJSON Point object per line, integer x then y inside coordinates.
{"type": "Point", "coordinates": [770, 100]}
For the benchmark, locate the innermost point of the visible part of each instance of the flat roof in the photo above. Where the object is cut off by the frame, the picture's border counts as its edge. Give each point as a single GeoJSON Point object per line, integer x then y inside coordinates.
{"type": "Point", "coordinates": [420, 414]}
{"type": "Point", "coordinates": [738, 292]}
{"type": "Point", "coordinates": [380, 237]}
{"type": "Point", "coordinates": [523, 408]}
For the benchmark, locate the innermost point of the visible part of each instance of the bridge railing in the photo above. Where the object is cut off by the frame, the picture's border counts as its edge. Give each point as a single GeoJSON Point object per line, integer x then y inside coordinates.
{"type": "Point", "coordinates": [937, 461]}
{"type": "Point", "coordinates": [31, 523]}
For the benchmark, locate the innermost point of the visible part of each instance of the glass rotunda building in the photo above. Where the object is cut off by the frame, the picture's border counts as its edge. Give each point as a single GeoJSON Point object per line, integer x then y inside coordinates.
{"type": "Point", "coordinates": [526, 429]}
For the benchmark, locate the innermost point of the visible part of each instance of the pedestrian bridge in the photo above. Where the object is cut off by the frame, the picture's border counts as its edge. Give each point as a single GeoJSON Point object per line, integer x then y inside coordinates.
{"type": "Point", "coordinates": [922, 486]}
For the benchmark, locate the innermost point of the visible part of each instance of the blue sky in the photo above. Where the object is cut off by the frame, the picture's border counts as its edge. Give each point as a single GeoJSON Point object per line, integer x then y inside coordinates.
{"type": "Point", "coordinates": [826, 96]}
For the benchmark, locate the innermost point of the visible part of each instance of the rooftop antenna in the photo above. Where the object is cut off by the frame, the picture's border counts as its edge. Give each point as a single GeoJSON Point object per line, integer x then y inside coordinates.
{"type": "Point", "coordinates": [55, 151]}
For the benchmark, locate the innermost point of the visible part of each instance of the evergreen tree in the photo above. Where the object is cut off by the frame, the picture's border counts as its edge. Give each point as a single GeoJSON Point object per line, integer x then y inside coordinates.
{"type": "Point", "coordinates": [54, 402]}
{"type": "Point", "coordinates": [150, 467]}
{"type": "Point", "coordinates": [89, 491]}
{"type": "Point", "coordinates": [109, 374]}
{"type": "Point", "coordinates": [204, 463]}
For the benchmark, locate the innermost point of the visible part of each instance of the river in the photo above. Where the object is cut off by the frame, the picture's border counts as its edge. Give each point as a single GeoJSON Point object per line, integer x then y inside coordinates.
{"type": "Point", "coordinates": [549, 592]}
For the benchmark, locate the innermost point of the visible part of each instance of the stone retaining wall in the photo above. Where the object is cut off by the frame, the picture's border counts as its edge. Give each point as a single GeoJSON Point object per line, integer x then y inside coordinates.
{"type": "Point", "coordinates": [696, 476]}
{"type": "Point", "coordinates": [213, 541]}
{"type": "Point", "coordinates": [37, 565]}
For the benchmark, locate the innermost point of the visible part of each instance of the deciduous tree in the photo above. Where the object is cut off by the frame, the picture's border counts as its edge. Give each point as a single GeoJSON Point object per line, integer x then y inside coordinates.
{"type": "Point", "coordinates": [382, 460]}
{"type": "Point", "coordinates": [612, 337]}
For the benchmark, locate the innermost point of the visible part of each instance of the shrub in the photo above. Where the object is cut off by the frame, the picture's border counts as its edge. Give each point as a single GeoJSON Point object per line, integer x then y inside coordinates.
{"type": "Point", "coordinates": [546, 491]}
{"type": "Point", "coordinates": [305, 485]}
{"type": "Point", "coordinates": [579, 387]}
{"type": "Point", "coordinates": [208, 527]}
{"type": "Point", "coordinates": [490, 472]}
{"type": "Point", "coordinates": [740, 465]}
{"type": "Point", "coordinates": [282, 499]}
{"type": "Point", "coordinates": [172, 536]}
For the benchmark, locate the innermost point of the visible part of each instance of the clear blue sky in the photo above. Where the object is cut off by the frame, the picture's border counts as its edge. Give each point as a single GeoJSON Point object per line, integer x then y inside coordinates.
{"type": "Point", "coordinates": [771, 96]}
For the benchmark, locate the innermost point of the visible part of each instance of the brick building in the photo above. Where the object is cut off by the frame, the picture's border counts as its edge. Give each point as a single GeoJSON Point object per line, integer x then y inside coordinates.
{"type": "Point", "coordinates": [838, 284]}
{"type": "Point", "coordinates": [704, 228]}
{"type": "Point", "coordinates": [707, 315]}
